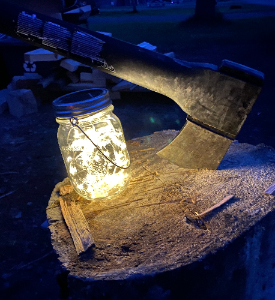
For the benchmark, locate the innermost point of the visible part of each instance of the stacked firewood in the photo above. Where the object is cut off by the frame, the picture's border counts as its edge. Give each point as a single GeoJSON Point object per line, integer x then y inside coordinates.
{"type": "Point", "coordinates": [68, 76]}
{"type": "Point", "coordinates": [79, 76]}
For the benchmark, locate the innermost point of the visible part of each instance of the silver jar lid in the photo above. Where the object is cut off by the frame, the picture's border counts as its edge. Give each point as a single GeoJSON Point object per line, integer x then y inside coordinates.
{"type": "Point", "coordinates": [81, 102]}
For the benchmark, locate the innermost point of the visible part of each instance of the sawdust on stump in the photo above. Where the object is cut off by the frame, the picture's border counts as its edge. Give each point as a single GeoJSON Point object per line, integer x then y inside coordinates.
{"type": "Point", "coordinates": [151, 227]}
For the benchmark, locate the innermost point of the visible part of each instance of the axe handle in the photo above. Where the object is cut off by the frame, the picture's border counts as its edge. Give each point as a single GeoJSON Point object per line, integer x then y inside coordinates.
{"type": "Point", "coordinates": [121, 59]}
{"type": "Point", "coordinates": [197, 89]}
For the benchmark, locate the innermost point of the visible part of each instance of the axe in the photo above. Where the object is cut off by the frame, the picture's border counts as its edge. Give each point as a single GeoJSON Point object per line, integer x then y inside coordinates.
{"type": "Point", "coordinates": [216, 99]}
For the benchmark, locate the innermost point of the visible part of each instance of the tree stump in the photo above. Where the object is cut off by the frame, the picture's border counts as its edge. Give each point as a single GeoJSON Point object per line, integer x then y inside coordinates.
{"type": "Point", "coordinates": [149, 244]}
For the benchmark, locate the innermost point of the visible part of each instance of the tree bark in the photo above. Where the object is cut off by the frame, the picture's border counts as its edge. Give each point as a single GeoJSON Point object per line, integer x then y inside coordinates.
{"type": "Point", "coordinates": [156, 242]}
{"type": "Point", "coordinates": [134, 2]}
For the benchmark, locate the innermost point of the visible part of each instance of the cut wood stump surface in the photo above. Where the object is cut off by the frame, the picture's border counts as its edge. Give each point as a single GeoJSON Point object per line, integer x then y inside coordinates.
{"type": "Point", "coordinates": [152, 226]}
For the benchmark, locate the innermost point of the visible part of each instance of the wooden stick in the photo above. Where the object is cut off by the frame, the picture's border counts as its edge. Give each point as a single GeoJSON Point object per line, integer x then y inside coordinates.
{"type": "Point", "coordinates": [142, 179]}
{"type": "Point", "coordinates": [18, 267]}
{"type": "Point", "coordinates": [224, 200]}
{"type": "Point", "coordinates": [6, 194]}
{"type": "Point", "coordinates": [5, 173]}
{"type": "Point", "coordinates": [78, 226]}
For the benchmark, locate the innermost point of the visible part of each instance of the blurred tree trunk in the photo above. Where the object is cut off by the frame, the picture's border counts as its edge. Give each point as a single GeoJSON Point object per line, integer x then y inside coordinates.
{"type": "Point", "coordinates": [134, 2]}
{"type": "Point", "coordinates": [205, 9]}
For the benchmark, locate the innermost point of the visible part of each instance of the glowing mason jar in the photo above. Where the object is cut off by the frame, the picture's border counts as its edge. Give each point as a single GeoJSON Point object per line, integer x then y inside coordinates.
{"type": "Point", "coordinates": [92, 144]}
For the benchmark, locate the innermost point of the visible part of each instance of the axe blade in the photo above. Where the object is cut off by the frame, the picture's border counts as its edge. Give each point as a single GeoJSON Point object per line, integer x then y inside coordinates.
{"type": "Point", "coordinates": [196, 148]}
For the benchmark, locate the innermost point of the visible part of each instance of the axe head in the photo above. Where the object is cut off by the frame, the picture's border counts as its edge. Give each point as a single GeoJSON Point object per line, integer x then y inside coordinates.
{"type": "Point", "coordinates": [212, 126]}
{"type": "Point", "coordinates": [196, 147]}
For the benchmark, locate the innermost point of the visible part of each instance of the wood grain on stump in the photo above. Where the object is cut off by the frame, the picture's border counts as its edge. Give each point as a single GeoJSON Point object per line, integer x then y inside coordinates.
{"type": "Point", "coordinates": [151, 227]}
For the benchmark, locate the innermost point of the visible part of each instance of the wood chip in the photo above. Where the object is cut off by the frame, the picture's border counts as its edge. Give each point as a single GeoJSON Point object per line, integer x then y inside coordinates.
{"type": "Point", "coordinates": [134, 143]}
{"type": "Point", "coordinates": [271, 190]}
{"type": "Point", "coordinates": [224, 200]}
{"type": "Point", "coordinates": [170, 54]}
{"type": "Point", "coordinates": [147, 46]}
{"type": "Point", "coordinates": [66, 189]}
{"type": "Point", "coordinates": [78, 226]}
{"type": "Point", "coordinates": [106, 33]}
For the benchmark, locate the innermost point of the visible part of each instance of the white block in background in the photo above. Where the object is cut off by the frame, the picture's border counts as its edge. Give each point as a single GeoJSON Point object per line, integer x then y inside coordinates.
{"type": "Point", "coordinates": [123, 86]}
{"type": "Point", "coordinates": [21, 102]}
{"type": "Point", "coordinates": [70, 64]}
{"type": "Point", "coordinates": [86, 77]}
{"type": "Point", "coordinates": [41, 55]}
{"type": "Point", "coordinates": [97, 80]}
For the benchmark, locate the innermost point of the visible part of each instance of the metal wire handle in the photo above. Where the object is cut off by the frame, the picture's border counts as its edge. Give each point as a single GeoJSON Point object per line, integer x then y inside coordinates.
{"type": "Point", "coordinates": [74, 121]}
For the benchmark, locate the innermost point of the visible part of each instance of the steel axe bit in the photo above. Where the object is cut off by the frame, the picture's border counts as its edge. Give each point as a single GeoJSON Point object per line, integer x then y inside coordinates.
{"type": "Point", "coordinates": [217, 100]}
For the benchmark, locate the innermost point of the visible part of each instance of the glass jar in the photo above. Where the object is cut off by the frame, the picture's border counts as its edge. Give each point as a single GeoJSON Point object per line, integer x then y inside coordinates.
{"type": "Point", "coordinates": [92, 144]}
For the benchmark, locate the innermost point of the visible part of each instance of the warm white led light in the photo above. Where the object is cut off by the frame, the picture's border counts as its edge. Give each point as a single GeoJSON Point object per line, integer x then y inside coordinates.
{"type": "Point", "coordinates": [92, 175]}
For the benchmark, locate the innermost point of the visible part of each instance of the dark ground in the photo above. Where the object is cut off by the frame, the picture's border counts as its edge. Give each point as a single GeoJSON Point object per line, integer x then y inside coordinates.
{"type": "Point", "coordinates": [31, 165]}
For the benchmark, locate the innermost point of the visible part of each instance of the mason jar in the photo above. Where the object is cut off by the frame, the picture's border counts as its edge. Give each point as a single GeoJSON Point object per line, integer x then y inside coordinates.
{"type": "Point", "coordinates": [92, 144]}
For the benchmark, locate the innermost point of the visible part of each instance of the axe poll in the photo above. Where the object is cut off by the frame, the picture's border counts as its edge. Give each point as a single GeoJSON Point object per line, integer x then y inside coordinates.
{"type": "Point", "coordinates": [216, 99]}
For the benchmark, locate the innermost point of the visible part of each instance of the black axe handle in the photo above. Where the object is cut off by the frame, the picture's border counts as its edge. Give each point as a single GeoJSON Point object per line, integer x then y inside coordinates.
{"type": "Point", "coordinates": [217, 99]}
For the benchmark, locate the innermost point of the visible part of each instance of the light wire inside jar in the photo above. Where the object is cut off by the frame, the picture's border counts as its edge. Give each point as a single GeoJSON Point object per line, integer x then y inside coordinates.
{"type": "Point", "coordinates": [74, 121]}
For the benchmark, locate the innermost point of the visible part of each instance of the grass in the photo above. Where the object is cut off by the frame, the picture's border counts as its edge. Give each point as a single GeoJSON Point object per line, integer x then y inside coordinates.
{"type": "Point", "coordinates": [179, 10]}
{"type": "Point", "coordinates": [150, 12]}
{"type": "Point", "coordinates": [170, 36]}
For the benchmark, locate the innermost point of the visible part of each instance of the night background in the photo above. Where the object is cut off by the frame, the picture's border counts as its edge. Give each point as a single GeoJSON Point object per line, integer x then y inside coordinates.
{"type": "Point", "coordinates": [31, 163]}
